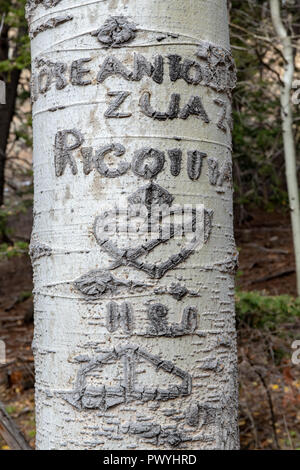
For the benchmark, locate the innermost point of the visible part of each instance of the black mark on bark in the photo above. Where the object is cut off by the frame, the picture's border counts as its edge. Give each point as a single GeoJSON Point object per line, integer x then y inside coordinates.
{"type": "Point", "coordinates": [141, 67]}
{"type": "Point", "coordinates": [130, 256]}
{"type": "Point", "coordinates": [219, 70]}
{"type": "Point", "coordinates": [174, 67]}
{"type": "Point", "coordinates": [59, 69]}
{"type": "Point", "coordinates": [201, 415]}
{"type": "Point", "coordinates": [48, 71]}
{"type": "Point", "coordinates": [31, 5]}
{"type": "Point", "coordinates": [96, 283]}
{"type": "Point", "coordinates": [38, 250]}
{"type": "Point", "coordinates": [192, 415]}
{"type": "Point", "coordinates": [186, 72]}
{"type": "Point", "coordinates": [158, 72]}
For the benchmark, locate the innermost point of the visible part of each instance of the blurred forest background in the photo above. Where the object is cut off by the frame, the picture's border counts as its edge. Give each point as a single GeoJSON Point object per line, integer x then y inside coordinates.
{"type": "Point", "coordinates": [268, 310]}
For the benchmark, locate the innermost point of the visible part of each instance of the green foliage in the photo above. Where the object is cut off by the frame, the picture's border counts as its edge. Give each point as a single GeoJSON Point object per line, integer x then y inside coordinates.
{"type": "Point", "coordinates": [257, 136]}
{"type": "Point", "coordinates": [17, 249]}
{"type": "Point", "coordinates": [259, 311]}
{"type": "Point", "coordinates": [10, 409]}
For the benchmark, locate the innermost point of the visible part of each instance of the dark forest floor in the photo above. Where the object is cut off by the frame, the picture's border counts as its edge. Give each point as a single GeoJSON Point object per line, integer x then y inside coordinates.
{"type": "Point", "coordinates": [269, 383]}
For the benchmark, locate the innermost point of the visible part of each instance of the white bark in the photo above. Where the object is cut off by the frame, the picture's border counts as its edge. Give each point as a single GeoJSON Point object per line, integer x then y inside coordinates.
{"type": "Point", "coordinates": [287, 128]}
{"type": "Point", "coordinates": [99, 314]}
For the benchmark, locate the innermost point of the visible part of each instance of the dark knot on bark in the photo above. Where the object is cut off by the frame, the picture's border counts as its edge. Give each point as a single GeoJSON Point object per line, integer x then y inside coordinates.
{"type": "Point", "coordinates": [116, 31]}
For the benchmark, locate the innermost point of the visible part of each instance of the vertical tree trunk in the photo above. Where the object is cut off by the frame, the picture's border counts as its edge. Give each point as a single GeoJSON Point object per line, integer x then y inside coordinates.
{"type": "Point", "coordinates": [134, 332]}
{"type": "Point", "coordinates": [287, 128]}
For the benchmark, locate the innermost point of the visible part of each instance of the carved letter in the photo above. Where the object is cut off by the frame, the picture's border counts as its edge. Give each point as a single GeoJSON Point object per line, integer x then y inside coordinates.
{"type": "Point", "coordinates": [77, 72]}
{"type": "Point", "coordinates": [141, 67]}
{"type": "Point", "coordinates": [194, 164]}
{"type": "Point", "coordinates": [186, 69]}
{"type": "Point", "coordinates": [44, 80]}
{"type": "Point", "coordinates": [120, 98]}
{"type": "Point", "coordinates": [101, 166]}
{"type": "Point", "coordinates": [217, 176]}
{"type": "Point", "coordinates": [194, 107]}
{"type": "Point", "coordinates": [158, 72]}
{"type": "Point", "coordinates": [140, 168]}
{"type": "Point", "coordinates": [175, 156]}
{"type": "Point", "coordinates": [147, 109]}
{"type": "Point", "coordinates": [58, 71]}
{"type": "Point", "coordinates": [221, 122]}
{"type": "Point", "coordinates": [119, 316]}
{"type": "Point", "coordinates": [112, 66]}
{"type": "Point", "coordinates": [174, 67]}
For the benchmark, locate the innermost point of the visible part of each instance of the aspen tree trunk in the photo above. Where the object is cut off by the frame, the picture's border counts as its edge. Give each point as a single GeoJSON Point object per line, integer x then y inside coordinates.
{"type": "Point", "coordinates": [287, 128]}
{"type": "Point", "coordinates": [134, 343]}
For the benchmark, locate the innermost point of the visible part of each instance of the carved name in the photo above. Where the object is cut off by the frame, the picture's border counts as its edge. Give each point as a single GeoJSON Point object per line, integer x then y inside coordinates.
{"type": "Point", "coordinates": [215, 70]}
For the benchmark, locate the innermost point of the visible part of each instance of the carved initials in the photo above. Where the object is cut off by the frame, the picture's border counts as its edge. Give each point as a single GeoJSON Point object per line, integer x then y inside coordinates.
{"type": "Point", "coordinates": [119, 316]}
{"type": "Point", "coordinates": [160, 327]}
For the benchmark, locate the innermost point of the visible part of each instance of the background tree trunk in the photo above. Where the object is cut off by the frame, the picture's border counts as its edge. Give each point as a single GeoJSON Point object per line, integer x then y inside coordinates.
{"type": "Point", "coordinates": [134, 342]}
{"type": "Point", "coordinates": [7, 110]}
{"type": "Point", "coordinates": [287, 128]}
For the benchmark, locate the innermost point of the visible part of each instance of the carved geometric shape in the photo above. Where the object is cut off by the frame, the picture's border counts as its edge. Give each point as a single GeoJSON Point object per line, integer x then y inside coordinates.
{"type": "Point", "coordinates": [151, 194]}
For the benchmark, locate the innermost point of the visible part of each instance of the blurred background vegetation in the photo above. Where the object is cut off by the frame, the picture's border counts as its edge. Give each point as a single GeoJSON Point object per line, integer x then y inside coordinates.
{"type": "Point", "coordinates": [268, 312]}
